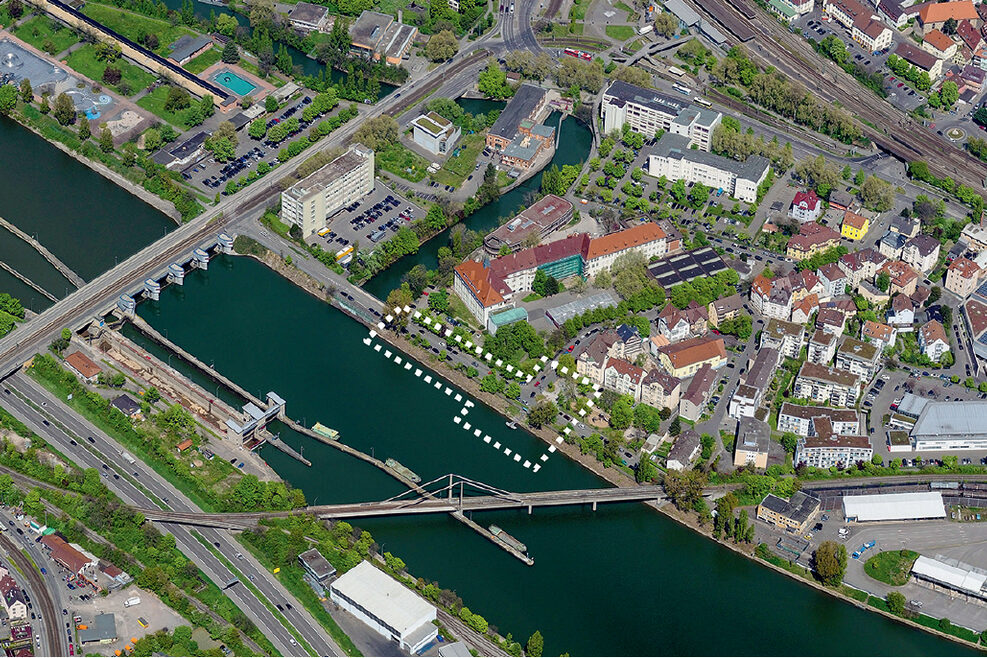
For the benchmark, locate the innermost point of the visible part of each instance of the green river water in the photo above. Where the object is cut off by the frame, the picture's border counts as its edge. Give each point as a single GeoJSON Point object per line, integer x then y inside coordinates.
{"type": "Point", "coordinates": [624, 580]}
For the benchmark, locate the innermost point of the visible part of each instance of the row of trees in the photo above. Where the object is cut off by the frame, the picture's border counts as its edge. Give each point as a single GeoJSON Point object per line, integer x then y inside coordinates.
{"type": "Point", "coordinates": [728, 140]}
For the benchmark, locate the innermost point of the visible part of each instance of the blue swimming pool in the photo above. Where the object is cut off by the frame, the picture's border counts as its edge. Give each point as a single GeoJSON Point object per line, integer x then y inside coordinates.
{"type": "Point", "coordinates": [233, 82]}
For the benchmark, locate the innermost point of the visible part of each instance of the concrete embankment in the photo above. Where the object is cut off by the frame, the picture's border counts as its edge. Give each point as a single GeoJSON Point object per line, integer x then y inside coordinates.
{"type": "Point", "coordinates": [65, 270]}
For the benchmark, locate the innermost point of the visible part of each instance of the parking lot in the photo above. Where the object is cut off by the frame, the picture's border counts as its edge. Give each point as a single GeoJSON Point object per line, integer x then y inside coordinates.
{"type": "Point", "coordinates": [208, 174]}
{"type": "Point", "coordinates": [371, 220]}
{"type": "Point", "coordinates": [130, 621]}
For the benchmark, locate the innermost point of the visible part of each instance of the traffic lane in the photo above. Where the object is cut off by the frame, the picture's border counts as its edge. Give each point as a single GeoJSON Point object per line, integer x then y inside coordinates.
{"type": "Point", "coordinates": [177, 501]}
{"type": "Point", "coordinates": [130, 494]}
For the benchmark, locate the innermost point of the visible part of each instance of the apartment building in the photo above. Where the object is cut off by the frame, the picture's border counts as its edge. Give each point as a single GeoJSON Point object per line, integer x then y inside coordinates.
{"type": "Point", "coordinates": [309, 203]}
{"type": "Point", "coordinates": [857, 357]}
{"type": "Point", "coordinates": [647, 111]}
{"type": "Point", "coordinates": [826, 385]}
{"type": "Point", "coordinates": [673, 158]}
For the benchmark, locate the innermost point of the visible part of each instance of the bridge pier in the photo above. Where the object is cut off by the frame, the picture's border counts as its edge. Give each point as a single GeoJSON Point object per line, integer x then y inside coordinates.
{"type": "Point", "coordinates": [126, 305]}
{"type": "Point", "coordinates": [152, 289]}
{"type": "Point", "coordinates": [529, 510]}
{"type": "Point", "coordinates": [176, 274]}
{"type": "Point", "coordinates": [594, 505]}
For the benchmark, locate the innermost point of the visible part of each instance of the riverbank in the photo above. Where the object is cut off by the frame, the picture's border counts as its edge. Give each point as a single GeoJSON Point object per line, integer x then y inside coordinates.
{"type": "Point", "coordinates": [612, 476]}
{"type": "Point", "coordinates": [156, 202]}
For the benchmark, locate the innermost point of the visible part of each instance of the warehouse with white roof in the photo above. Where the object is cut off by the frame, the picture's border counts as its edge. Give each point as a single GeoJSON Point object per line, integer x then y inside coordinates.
{"type": "Point", "coordinates": [894, 507]}
{"type": "Point", "coordinates": [951, 426]}
{"type": "Point", "coordinates": [386, 606]}
{"type": "Point", "coordinates": [951, 576]}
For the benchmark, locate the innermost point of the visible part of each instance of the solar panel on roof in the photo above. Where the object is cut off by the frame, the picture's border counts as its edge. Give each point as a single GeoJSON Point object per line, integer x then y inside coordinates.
{"type": "Point", "coordinates": [982, 290]}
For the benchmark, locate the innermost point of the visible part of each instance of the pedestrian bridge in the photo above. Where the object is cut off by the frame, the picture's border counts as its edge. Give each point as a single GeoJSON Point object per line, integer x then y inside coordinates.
{"type": "Point", "coordinates": [447, 494]}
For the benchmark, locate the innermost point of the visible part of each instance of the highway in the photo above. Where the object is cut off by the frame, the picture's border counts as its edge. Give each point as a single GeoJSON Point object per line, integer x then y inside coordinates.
{"type": "Point", "coordinates": [106, 451]}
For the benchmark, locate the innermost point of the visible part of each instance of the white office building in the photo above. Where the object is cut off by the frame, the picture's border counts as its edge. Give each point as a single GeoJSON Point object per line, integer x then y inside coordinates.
{"type": "Point", "coordinates": [435, 133]}
{"type": "Point", "coordinates": [647, 111]}
{"type": "Point", "coordinates": [309, 203]}
{"type": "Point", "coordinates": [673, 159]}
{"type": "Point", "coordinates": [951, 426]}
{"type": "Point", "coordinates": [386, 606]}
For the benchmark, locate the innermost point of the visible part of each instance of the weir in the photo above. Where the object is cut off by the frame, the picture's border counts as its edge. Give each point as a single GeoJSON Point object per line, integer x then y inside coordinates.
{"type": "Point", "coordinates": [27, 281]}
{"type": "Point", "coordinates": [66, 271]}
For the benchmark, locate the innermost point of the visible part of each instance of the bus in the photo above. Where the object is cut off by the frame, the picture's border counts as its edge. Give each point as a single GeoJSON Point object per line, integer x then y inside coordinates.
{"type": "Point", "coordinates": [699, 100]}
{"type": "Point", "coordinates": [324, 232]}
{"type": "Point", "coordinates": [681, 88]}
{"type": "Point", "coordinates": [676, 71]}
{"type": "Point", "coordinates": [572, 52]}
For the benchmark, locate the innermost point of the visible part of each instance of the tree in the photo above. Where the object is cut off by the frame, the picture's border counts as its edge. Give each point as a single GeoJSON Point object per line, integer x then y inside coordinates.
{"type": "Point", "coordinates": [223, 142]}
{"type": "Point", "coordinates": [646, 470]}
{"type": "Point", "coordinates": [27, 93]}
{"type": "Point", "coordinates": [877, 194]}
{"type": "Point", "coordinates": [378, 133]}
{"type": "Point", "coordinates": [535, 645]}
{"type": "Point", "coordinates": [177, 99]}
{"type": "Point", "coordinates": [106, 141]}
{"type": "Point", "coordinates": [152, 139]}
{"type": "Point", "coordinates": [231, 54]}
{"type": "Point", "coordinates": [45, 108]}
{"type": "Point", "coordinates": [257, 128]}
{"type": "Point", "coordinates": [666, 24]}
{"type": "Point", "coordinates": [622, 413]}
{"type": "Point", "coordinates": [84, 131]}
{"type": "Point", "coordinates": [112, 75]}
{"type": "Point", "coordinates": [492, 81]}
{"type": "Point", "coordinates": [226, 24]}
{"type": "Point", "coordinates": [270, 104]}
{"type": "Point", "coordinates": [64, 110]}
{"type": "Point", "coordinates": [789, 442]}
{"type": "Point", "coordinates": [443, 46]}
{"type": "Point", "coordinates": [949, 27]}
{"type": "Point", "coordinates": [8, 98]}
{"type": "Point", "coordinates": [543, 414]}
{"type": "Point", "coordinates": [513, 390]}
{"type": "Point", "coordinates": [896, 603]}
{"type": "Point", "coordinates": [829, 562]}
{"type": "Point", "coordinates": [684, 488]}
{"type": "Point", "coordinates": [16, 8]}
{"type": "Point", "coordinates": [883, 281]}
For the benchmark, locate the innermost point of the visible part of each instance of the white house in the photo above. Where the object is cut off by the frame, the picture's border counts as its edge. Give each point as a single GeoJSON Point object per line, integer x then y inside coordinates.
{"type": "Point", "coordinates": [673, 159]}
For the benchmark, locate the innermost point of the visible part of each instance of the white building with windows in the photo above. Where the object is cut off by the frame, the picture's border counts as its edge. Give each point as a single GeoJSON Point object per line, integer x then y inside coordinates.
{"type": "Point", "coordinates": [386, 606]}
{"type": "Point", "coordinates": [647, 111]}
{"type": "Point", "coordinates": [951, 426]}
{"type": "Point", "coordinates": [826, 451]}
{"type": "Point", "coordinates": [310, 202]}
{"type": "Point", "coordinates": [435, 133]}
{"type": "Point", "coordinates": [673, 158]}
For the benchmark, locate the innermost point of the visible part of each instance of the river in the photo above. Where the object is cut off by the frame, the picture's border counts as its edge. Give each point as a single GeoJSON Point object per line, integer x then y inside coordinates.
{"type": "Point", "coordinates": [624, 580]}
{"type": "Point", "coordinates": [81, 217]}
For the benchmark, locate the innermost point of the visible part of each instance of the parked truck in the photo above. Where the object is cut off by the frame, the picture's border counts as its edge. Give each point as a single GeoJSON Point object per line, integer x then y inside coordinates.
{"type": "Point", "coordinates": [132, 601]}
{"type": "Point", "coordinates": [128, 457]}
{"type": "Point", "coordinates": [646, 29]}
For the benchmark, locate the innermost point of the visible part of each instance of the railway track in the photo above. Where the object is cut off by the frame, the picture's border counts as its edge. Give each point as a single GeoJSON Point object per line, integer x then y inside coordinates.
{"type": "Point", "coordinates": [881, 123]}
{"type": "Point", "coordinates": [42, 596]}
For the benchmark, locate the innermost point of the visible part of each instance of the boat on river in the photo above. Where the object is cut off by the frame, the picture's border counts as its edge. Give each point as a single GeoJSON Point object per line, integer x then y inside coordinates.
{"type": "Point", "coordinates": [327, 432]}
{"type": "Point", "coordinates": [507, 539]}
{"type": "Point", "coordinates": [512, 424]}
{"type": "Point", "coordinates": [402, 470]}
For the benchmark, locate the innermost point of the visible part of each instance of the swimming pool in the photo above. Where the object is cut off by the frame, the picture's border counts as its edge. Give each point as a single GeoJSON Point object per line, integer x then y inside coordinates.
{"type": "Point", "coordinates": [233, 82]}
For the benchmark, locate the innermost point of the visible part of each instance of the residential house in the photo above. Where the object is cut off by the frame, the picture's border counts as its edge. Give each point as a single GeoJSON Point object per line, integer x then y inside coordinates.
{"type": "Point", "coordinates": [907, 226]}
{"type": "Point", "coordinates": [697, 394]}
{"type": "Point", "coordinates": [786, 337]}
{"type": "Point", "coordinates": [753, 440]}
{"type": "Point", "coordinates": [962, 277]}
{"type": "Point", "coordinates": [724, 309]}
{"type": "Point", "coordinates": [939, 45]}
{"type": "Point", "coordinates": [854, 226]}
{"type": "Point", "coordinates": [903, 278]}
{"type": "Point", "coordinates": [684, 451]}
{"type": "Point", "coordinates": [933, 341]}
{"type": "Point", "coordinates": [749, 395]}
{"type": "Point", "coordinates": [633, 344]}
{"type": "Point", "coordinates": [921, 253]}
{"type": "Point", "coordinates": [829, 450]}
{"type": "Point", "coordinates": [822, 347]}
{"type": "Point", "coordinates": [858, 357]}
{"type": "Point", "coordinates": [127, 406]}
{"type": "Point", "coordinates": [892, 13]}
{"type": "Point", "coordinates": [823, 385]}
{"type": "Point", "coordinates": [920, 59]}
{"type": "Point", "coordinates": [678, 325]}
{"type": "Point", "coordinates": [878, 334]}
{"type": "Point", "coordinates": [83, 367]}
{"type": "Point", "coordinates": [871, 34]}
{"type": "Point", "coordinates": [623, 377]}
{"type": "Point", "coordinates": [970, 35]}
{"type": "Point", "coordinates": [892, 244]}
{"type": "Point", "coordinates": [13, 597]}
{"type": "Point", "coordinates": [861, 265]}
{"type": "Point", "coordinates": [687, 357]}
{"type": "Point", "coordinates": [901, 314]}
{"type": "Point", "coordinates": [592, 360]}
{"type": "Point", "coordinates": [975, 235]}
{"type": "Point", "coordinates": [793, 515]}
{"type": "Point", "coordinates": [842, 200]}
{"type": "Point", "coordinates": [769, 299]}
{"type": "Point", "coordinates": [812, 239]}
{"type": "Point", "coordinates": [806, 207]}
{"type": "Point", "coordinates": [804, 308]}
{"type": "Point", "coordinates": [831, 320]}
{"type": "Point", "coordinates": [802, 420]}
{"type": "Point", "coordinates": [833, 280]}
{"type": "Point", "coordinates": [660, 390]}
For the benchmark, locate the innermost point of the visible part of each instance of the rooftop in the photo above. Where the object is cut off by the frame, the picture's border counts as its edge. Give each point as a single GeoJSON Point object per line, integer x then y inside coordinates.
{"type": "Point", "coordinates": [624, 92]}
{"type": "Point", "coordinates": [826, 374]}
{"type": "Point", "coordinates": [384, 597]}
{"type": "Point", "coordinates": [317, 563]}
{"type": "Point", "coordinates": [961, 419]}
{"type": "Point", "coordinates": [853, 220]}
{"type": "Point", "coordinates": [306, 12]}
{"type": "Point", "coordinates": [126, 405]}
{"type": "Point", "coordinates": [186, 46]}
{"type": "Point", "coordinates": [943, 11]}
{"type": "Point", "coordinates": [695, 350]}
{"type": "Point", "coordinates": [952, 573]}
{"type": "Point", "coordinates": [317, 181]}
{"type": "Point", "coordinates": [857, 349]}
{"type": "Point", "coordinates": [626, 239]}
{"type": "Point", "coordinates": [938, 40]}
{"type": "Point", "coordinates": [102, 627]}
{"type": "Point", "coordinates": [753, 435]}
{"type": "Point", "coordinates": [369, 28]}
{"type": "Point", "coordinates": [677, 147]}
{"type": "Point", "coordinates": [798, 508]}
{"type": "Point", "coordinates": [522, 105]}
{"type": "Point", "coordinates": [895, 507]}
{"type": "Point", "coordinates": [433, 123]}
{"type": "Point", "coordinates": [83, 364]}
{"type": "Point", "coordinates": [915, 55]}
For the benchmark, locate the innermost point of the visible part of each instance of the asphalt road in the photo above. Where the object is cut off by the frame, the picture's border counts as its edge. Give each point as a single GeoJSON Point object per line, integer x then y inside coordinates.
{"type": "Point", "coordinates": [109, 453]}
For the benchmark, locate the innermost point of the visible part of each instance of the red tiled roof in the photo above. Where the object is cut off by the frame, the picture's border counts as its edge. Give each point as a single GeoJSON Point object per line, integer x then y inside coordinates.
{"type": "Point", "coordinates": [965, 267]}
{"type": "Point", "coordinates": [976, 312]}
{"type": "Point", "coordinates": [477, 278]}
{"type": "Point", "coordinates": [971, 37]}
{"type": "Point", "coordinates": [899, 271]}
{"type": "Point", "coordinates": [832, 272]}
{"type": "Point", "coordinates": [932, 331]}
{"type": "Point", "coordinates": [627, 369]}
{"type": "Point", "coordinates": [938, 40]}
{"type": "Point", "coordinates": [627, 239]}
{"type": "Point", "coordinates": [942, 11]}
{"type": "Point", "coordinates": [83, 364]}
{"type": "Point", "coordinates": [876, 330]}
{"type": "Point", "coordinates": [854, 220]}
{"type": "Point", "coordinates": [694, 350]}
{"type": "Point", "coordinates": [809, 198]}
{"type": "Point", "coordinates": [811, 235]}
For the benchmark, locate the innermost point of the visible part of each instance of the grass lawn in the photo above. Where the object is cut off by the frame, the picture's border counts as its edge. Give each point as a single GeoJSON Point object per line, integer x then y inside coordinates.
{"type": "Point", "coordinates": [38, 30]}
{"type": "Point", "coordinates": [620, 32]}
{"type": "Point", "coordinates": [458, 167]}
{"type": "Point", "coordinates": [131, 25]}
{"type": "Point", "coordinates": [578, 10]}
{"type": "Point", "coordinates": [84, 61]}
{"type": "Point", "coordinates": [623, 7]}
{"type": "Point", "coordinates": [402, 162]}
{"type": "Point", "coordinates": [391, 6]}
{"type": "Point", "coordinates": [636, 45]}
{"type": "Point", "coordinates": [204, 61]}
{"type": "Point", "coordinates": [891, 567]}
{"type": "Point", "coordinates": [576, 28]}
{"type": "Point", "coordinates": [155, 104]}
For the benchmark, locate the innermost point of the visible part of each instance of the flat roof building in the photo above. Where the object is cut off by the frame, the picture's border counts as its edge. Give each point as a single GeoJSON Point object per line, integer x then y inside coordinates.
{"type": "Point", "coordinates": [435, 133]}
{"type": "Point", "coordinates": [751, 447]}
{"type": "Point", "coordinates": [956, 425]}
{"type": "Point", "coordinates": [673, 158]}
{"type": "Point", "coordinates": [547, 215]}
{"type": "Point", "coordinates": [310, 202]}
{"type": "Point", "coordinates": [527, 104]}
{"type": "Point", "coordinates": [647, 111]}
{"type": "Point", "coordinates": [386, 606]}
{"type": "Point", "coordinates": [309, 17]}
{"type": "Point", "coordinates": [686, 266]}
{"type": "Point", "coordinates": [894, 507]}
{"type": "Point", "coordinates": [952, 577]}
{"type": "Point", "coordinates": [793, 514]}
{"type": "Point", "coordinates": [378, 36]}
